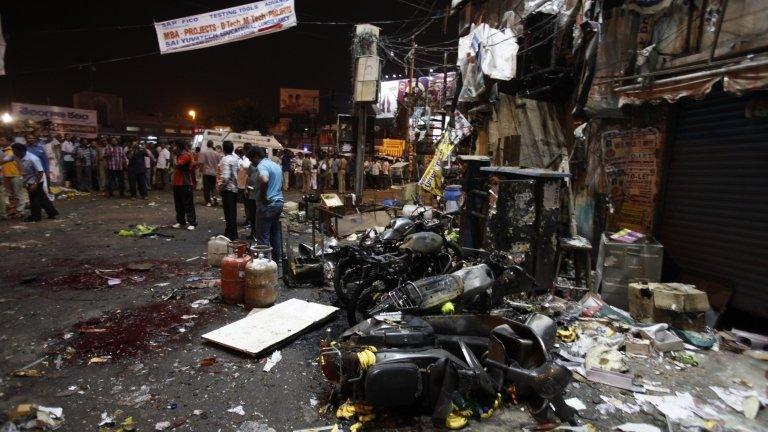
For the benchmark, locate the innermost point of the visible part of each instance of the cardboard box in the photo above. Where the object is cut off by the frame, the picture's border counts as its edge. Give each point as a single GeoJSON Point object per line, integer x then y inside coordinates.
{"type": "Point", "coordinates": [679, 305]}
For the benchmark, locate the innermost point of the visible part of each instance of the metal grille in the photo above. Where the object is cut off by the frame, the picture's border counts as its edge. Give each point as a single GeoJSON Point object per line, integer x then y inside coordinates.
{"type": "Point", "coordinates": [715, 216]}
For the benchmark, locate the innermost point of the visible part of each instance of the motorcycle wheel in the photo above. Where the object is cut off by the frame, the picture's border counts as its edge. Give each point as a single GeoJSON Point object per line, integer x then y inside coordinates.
{"type": "Point", "coordinates": [345, 277]}
{"type": "Point", "coordinates": [361, 299]}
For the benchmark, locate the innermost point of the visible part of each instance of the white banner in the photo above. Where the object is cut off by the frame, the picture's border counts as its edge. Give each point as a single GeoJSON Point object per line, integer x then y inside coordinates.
{"type": "Point", "coordinates": [225, 25]}
{"type": "Point", "coordinates": [80, 122]}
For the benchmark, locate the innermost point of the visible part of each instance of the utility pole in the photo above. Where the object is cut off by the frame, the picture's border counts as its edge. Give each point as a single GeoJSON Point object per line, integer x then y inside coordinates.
{"type": "Point", "coordinates": [410, 153]}
{"type": "Point", "coordinates": [365, 91]}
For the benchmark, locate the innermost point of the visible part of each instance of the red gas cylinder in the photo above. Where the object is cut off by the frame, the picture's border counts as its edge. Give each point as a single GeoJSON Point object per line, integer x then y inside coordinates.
{"type": "Point", "coordinates": [233, 272]}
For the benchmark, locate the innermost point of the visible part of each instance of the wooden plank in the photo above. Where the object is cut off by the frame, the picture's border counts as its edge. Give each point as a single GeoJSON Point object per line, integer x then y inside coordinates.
{"type": "Point", "coordinates": [266, 329]}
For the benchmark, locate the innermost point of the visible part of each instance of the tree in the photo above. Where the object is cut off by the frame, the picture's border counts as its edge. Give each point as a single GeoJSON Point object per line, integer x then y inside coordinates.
{"type": "Point", "coordinates": [246, 114]}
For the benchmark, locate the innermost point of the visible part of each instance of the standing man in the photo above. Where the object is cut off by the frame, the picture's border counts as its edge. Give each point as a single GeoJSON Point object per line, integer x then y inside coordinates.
{"type": "Point", "coordinates": [323, 170]}
{"type": "Point", "coordinates": [103, 177]}
{"type": "Point", "coordinates": [53, 151]}
{"type": "Point", "coordinates": [116, 163]}
{"type": "Point", "coordinates": [376, 173]}
{"type": "Point", "coordinates": [183, 184]}
{"type": "Point", "coordinates": [33, 175]}
{"type": "Point", "coordinates": [270, 202]}
{"type": "Point", "coordinates": [137, 169]}
{"type": "Point", "coordinates": [14, 185]}
{"type": "Point", "coordinates": [161, 168]}
{"type": "Point", "coordinates": [228, 168]}
{"type": "Point", "coordinates": [36, 146]}
{"type": "Point", "coordinates": [342, 175]}
{"type": "Point", "coordinates": [209, 160]}
{"type": "Point", "coordinates": [306, 174]}
{"type": "Point", "coordinates": [313, 161]}
{"type": "Point", "coordinates": [68, 160]}
{"type": "Point", "coordinates": [385, 174]}
{"type": "Point", "coordinates": [335, 171]}
{"type": "Point", "coordinates": [85, 163]}
{"type": "Point", "coordinates": [286, 164]}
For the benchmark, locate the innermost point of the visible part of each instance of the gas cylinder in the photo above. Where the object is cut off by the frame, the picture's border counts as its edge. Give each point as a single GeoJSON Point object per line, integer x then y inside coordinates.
{"type": "Point", "coordinates": [217, 250]}
{"type": "Point", "coordinates": [233, 272]}
{"type": "Point", "coordinates": [260, 283]}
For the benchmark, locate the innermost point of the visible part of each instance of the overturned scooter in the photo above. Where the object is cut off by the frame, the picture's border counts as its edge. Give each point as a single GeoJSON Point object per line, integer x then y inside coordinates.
{"type": "Point", "coordinates": [440, 365]}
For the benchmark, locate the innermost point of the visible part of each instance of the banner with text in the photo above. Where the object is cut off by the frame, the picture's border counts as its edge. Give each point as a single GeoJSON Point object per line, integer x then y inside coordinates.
{"type": "Point", "coordinates": [80, 122]}
{"type": "Point", "coordinates": [225, 25]}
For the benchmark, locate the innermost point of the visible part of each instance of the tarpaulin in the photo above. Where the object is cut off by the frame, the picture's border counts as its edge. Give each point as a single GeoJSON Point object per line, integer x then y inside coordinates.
{"type": "Point", "coordinates": [746, 80]}
{"type": "Point", "coordinates": [695, 88]}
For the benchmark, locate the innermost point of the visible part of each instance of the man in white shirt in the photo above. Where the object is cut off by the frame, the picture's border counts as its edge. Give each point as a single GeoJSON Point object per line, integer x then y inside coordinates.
{"type": "Point", "coordinates": [68, 158]}
{"type": "Point", "coordinates": [33, 175]}
{"type": "Point", "coordinates": [228, 168]}
{"type": "Point", "coordinates": [161, 168]}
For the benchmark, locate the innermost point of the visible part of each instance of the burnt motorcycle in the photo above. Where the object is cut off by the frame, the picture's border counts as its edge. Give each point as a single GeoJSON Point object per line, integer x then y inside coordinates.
{"type": "Point", "coordinates": [435, 364]}
{"type": "Point", "coordinates": [420, 255]}
{"type": "Point", "coordinates": [349, 260]}
{"type": "Point", "coordinates": [476, 288]}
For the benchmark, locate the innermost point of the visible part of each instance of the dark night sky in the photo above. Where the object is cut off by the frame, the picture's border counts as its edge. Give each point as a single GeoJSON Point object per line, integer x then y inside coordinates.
{"type": "Point", "coordinates": [209, 79]}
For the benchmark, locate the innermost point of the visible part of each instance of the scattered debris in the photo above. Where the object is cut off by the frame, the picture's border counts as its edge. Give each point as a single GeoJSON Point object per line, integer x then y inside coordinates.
{"type": "Point", "coordinates": [637, 427]}
{"type": "Point", "coordinates": [272, 361]}
{"type": "Point", "coordinates": [99, 359]}
{"type": "Point", "coordinates": [208, 361]}
{"type": "Point", "coordinates": [163, 425]}
{"type": "Point", "coordinates": [28, 373]}
{"type": "Point", "coordinates": [576, 404]}
{"type": "Point", "coordinates": [237, 410]}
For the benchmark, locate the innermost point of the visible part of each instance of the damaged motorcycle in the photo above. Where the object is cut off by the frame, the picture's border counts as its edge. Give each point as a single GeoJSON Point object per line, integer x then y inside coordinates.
{"type": "Point", "coordinates": [476, 288]}
{"type": "Point", "coordinates": [351, 260]}
{"type": "Point", "coordinates": [440, 365]}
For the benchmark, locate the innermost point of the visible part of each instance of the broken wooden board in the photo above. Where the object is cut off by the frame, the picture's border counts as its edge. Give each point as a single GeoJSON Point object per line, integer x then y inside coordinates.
{"type": "Point", "coordinates": [261, 331]}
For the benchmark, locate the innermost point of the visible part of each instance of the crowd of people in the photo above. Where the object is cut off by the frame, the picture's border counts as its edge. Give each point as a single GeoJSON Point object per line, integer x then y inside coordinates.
{"type": "Point", "coordinates": [35, 162]}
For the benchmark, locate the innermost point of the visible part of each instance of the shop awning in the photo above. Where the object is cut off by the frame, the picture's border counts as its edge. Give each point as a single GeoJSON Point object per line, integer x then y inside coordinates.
{"type": "Point", "coordinates": [738, 78]}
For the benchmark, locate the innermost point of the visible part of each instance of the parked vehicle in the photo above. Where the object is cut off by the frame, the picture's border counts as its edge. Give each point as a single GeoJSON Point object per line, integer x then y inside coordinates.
{"type": "Point", "coordinates": [350, 261]}
{"type": "Point", "coordinates": [476, 288]}
{"type": "Point", "coordinates": [433, 364]}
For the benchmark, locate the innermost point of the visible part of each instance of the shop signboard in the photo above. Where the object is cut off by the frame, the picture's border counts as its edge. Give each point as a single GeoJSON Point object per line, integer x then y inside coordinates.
{"type": "Point", "coordinates": [76, 121]}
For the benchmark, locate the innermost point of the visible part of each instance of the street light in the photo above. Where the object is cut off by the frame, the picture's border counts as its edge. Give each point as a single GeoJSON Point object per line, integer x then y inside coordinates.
{"type": "Point", "coordinates": [192, 114]}
{"type": "Point", "coordinates": [6, 118]}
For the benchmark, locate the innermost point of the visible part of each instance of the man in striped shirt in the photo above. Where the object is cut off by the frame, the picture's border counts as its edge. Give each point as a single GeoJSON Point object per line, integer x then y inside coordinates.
{"type": "Point", "coordinates": [116, 163]}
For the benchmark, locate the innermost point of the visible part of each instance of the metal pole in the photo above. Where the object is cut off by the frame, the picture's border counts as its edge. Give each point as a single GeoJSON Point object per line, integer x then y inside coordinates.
{"type": "Point", "coordinates": [717, 31]}
{"type": "Point", "coordinates": [362, 120]}
{"type": "Point", "coordinates": [738, 67]}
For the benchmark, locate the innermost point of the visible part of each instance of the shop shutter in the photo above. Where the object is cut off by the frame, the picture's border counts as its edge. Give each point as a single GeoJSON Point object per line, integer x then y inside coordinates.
{"type": "Point", "coordinates": [715, 212]}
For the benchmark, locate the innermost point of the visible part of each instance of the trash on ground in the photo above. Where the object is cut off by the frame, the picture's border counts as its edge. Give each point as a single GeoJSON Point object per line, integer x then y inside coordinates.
{"type": "Point", "coordinates": [272, 361]}
{"type": "Point", "coordinates": [237, 410]}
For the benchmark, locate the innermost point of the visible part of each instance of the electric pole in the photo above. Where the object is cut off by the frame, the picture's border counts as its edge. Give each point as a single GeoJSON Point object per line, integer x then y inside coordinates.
{"type": "Point", "coordinates": [364, 48]}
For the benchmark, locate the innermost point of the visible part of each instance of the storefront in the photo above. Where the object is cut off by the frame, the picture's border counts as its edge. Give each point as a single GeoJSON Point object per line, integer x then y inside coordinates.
{"type": "Point", "coordinates": [714, 214]}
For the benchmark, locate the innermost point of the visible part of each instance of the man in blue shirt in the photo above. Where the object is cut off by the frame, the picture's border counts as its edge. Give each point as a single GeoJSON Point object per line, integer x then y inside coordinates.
{"type": "Point", "coordinates": [36, 146]}
{"type": "Point", "coordinates": [270, 202]}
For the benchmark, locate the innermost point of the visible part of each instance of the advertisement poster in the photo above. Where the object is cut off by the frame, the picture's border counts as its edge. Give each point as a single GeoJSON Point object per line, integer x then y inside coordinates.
{"type": "Point", "coordinates": [80, 122]}
{"type": "Point", "coordinates": [631, 160]}
{"type": "Point", "coordinates": [388, 91]}
{"type": "Point", "coordinates": [299, 101]}
{"type": "Point", "coordinates": [435, 99]}
{"type": "Point", "coordinates": [225, 25]}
